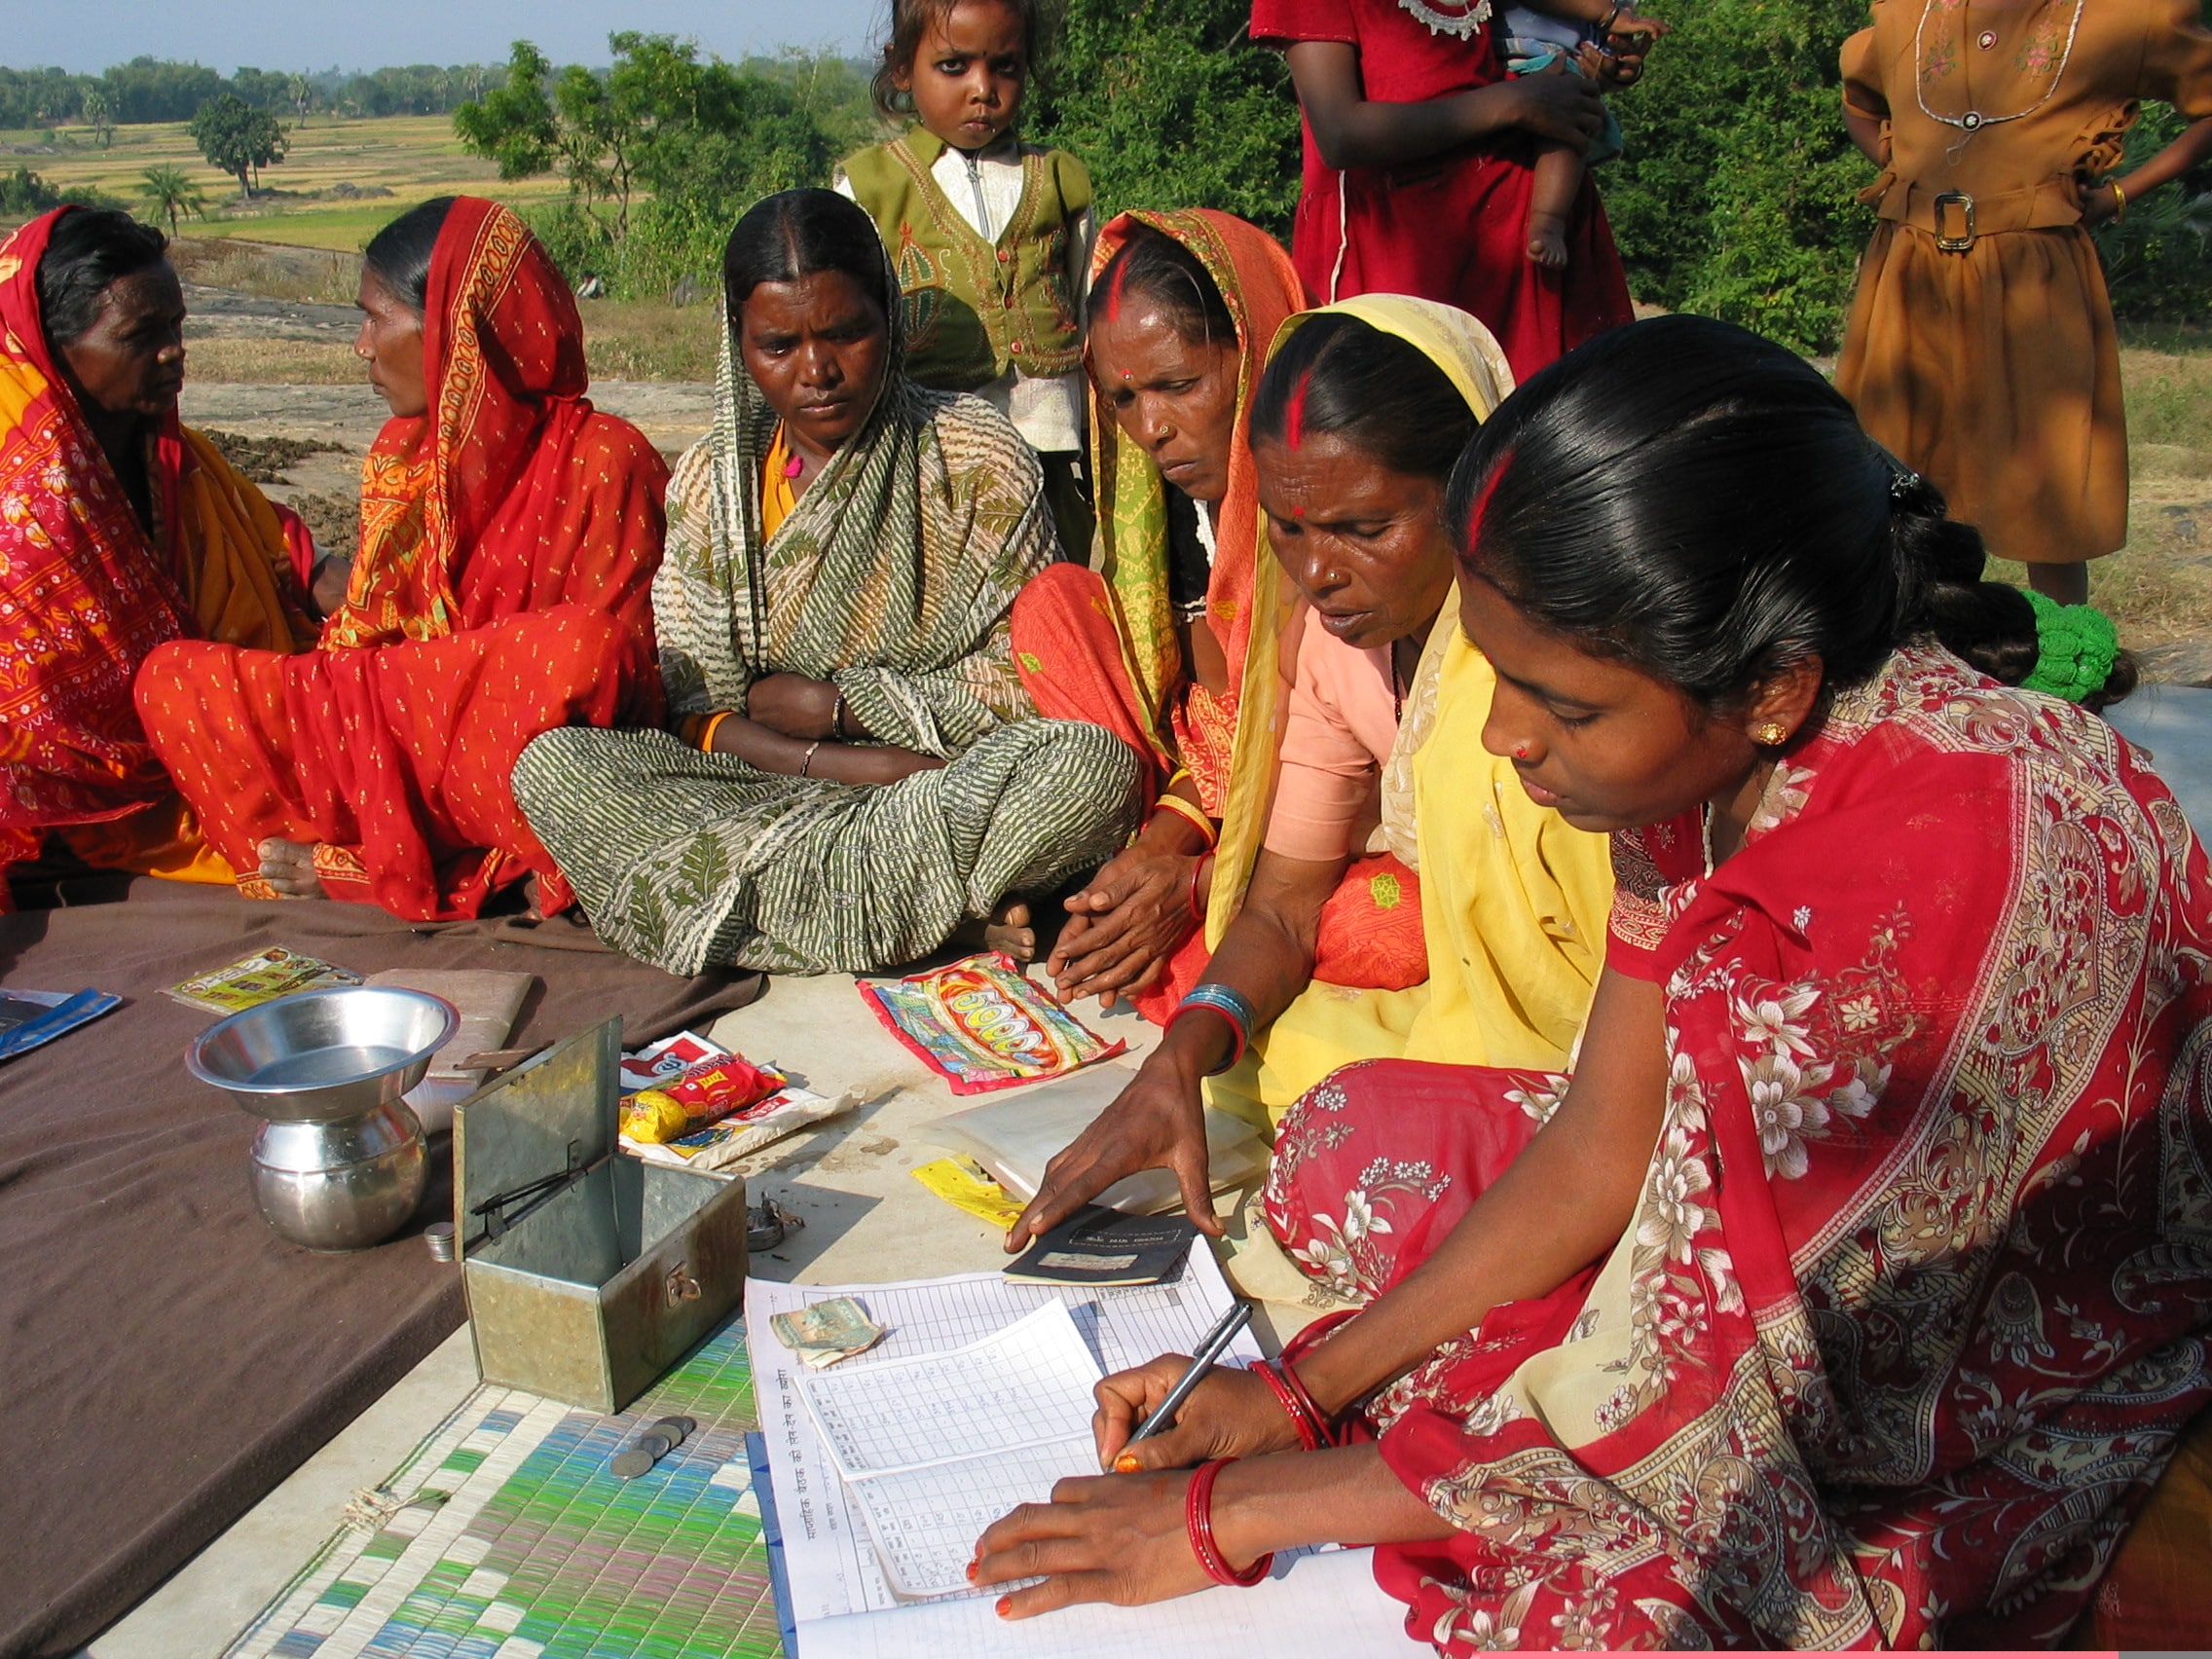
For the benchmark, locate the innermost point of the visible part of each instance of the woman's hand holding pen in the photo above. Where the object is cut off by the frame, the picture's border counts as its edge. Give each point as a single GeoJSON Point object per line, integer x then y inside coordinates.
{"type": "Point", "coordinates": [1230, 1413]}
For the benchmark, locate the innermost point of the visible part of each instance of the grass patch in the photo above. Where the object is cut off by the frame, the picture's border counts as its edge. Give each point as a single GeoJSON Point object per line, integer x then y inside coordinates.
{"type": "Point", "coordinates": [632, 340]}
{"type": "Point", "coordinates": [325, 190]}
{"type": "Point", "coordinates": [636, 342]}
{"type": "Point", "coordinates": [2169, 398]}
{"type": "Point", "coordinates": [273, 363]}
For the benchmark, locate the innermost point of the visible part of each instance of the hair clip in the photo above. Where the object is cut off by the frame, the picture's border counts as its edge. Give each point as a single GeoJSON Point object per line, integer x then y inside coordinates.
{"type": "Point", "coordinates": [1903, 483]}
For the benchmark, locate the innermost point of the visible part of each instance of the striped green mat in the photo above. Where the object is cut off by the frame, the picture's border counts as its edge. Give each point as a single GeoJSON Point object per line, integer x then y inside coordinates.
{"type": "Point", "coordinates": [504, 1535]}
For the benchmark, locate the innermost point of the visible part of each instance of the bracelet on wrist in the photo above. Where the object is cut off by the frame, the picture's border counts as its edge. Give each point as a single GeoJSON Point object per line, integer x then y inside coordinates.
{"type": "Point", "coordinates": [1310, 1433]}
{"type": "Point", "coordinates": [1295, 1386]}
{"type": "Point", "coordinates": [707, 732]}
{"type": "Point", "coordinates": [2119, 200]}
{"type": "Point", "coordinates": [837, 718]}
{"type": "Point", "coordinates": [1197, 888]}
{"type": "Point", "coordinates": [1231, 1006]}
{"type": "Point", "coordinates": [806, 761]}
{"type": "Point", "coordinates": [1191, 814]}
{"type": "Point", "coordinates": [1198, 1525]}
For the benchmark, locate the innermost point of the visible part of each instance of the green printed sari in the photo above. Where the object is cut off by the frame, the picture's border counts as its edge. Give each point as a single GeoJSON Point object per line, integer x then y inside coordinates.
{"type": "Point", "coordinates": [892, 577]}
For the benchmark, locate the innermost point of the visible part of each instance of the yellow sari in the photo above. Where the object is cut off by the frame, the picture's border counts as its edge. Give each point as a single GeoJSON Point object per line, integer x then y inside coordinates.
{"type": "Point", "coordinates": [1514, 899]}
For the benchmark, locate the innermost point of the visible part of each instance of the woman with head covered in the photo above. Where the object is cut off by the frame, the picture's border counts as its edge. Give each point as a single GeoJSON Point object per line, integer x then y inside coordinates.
{"type": "Point", "coordinates": [856, 770]}
{"type": "Point", "coordinates": [509, 534]}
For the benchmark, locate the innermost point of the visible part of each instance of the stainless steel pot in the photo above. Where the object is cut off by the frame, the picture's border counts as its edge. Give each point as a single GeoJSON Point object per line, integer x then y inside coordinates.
{"type": "Point", "coordinates": [338, 1165]}
{"type": "Point", "coordinates": [344, 1184]}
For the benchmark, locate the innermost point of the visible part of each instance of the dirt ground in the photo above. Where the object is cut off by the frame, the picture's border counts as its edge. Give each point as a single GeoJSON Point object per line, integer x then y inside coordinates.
{"type": "Point", "coordinates": [263, 367]}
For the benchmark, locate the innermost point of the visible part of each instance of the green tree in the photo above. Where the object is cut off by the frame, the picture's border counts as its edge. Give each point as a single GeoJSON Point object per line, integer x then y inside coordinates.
{"type": "Point", "coordinates": [99, 115]}
{"type": "Point", "coordinates": [1735, 196]}
{"type": "Point", "coordinates": [661, 153]}
{"type": "Point", "coordinates": [512, 123]}
{"type": "Point", "coordinates": [237, 138]}
{"type": "Point", "coordinates": [1170, 105]}
{"type": "Point", "coordinates": [169, 194]}
{"type": "Point", "coordinates": [155, 89]}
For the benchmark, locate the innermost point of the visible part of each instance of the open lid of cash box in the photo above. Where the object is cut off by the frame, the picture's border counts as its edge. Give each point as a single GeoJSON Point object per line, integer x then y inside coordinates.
{"type": "Point", "coordinates": [526, 1138]}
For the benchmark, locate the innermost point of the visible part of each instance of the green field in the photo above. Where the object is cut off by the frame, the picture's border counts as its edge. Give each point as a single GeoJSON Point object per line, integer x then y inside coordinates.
{"type": "Point", "coordinates": [412, 157]}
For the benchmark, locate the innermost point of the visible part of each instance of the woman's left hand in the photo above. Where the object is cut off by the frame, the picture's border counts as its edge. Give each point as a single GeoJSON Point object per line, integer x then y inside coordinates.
{"type": "Point", "coordinates": [1118, 1538]}
{"type": "Point", "coordinates": [2100, 205]}
{"type": "Point", "coordinates": [795, 705]}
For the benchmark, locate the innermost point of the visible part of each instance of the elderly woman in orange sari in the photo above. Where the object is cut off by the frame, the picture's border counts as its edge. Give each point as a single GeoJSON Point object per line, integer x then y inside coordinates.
{"type": "Point", "coordinates": [120, 529]}
{"type": "Point", "coordinates": [1152, 642]}
{"type": "Point", "coordinates": [509, 535]}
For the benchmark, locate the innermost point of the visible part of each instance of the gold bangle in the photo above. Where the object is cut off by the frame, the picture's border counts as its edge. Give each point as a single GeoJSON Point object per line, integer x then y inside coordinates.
{"type": "Point", "coordinates": [1196, 816]}
{"type": "Point", "coordinates": [707, 732]}
{"type": "Point", "coordinates": [2119, 200]}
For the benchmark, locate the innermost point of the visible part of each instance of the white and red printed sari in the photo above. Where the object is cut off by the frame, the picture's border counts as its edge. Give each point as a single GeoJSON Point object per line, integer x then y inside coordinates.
{"type": "Point", "coordinates": [1914, 1303]}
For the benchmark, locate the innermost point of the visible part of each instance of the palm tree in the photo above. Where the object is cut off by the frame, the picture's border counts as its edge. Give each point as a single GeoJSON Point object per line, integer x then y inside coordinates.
{"type": "Point", "coordinates": [171, 193]}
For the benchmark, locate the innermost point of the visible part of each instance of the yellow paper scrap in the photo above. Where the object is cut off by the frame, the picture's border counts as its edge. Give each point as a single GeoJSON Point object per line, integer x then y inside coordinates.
{"type": "Point", "coordinates": [960, 1183]}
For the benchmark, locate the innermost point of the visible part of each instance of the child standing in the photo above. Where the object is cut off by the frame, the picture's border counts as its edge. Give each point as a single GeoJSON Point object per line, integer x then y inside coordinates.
{"type": "Point", "coordinates": [990, 237]}
{"type": "Point", "coordinates": [1982, 348]}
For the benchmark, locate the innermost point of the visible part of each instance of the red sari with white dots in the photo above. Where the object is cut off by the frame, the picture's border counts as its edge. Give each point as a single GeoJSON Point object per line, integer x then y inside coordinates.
{"type": "Point", "coordinates": [502, 588]}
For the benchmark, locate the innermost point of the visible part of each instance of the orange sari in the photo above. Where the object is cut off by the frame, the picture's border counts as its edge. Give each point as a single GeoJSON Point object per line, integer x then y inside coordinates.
{"type": "Point", "coordinates": [86, 593]}
{"type": "Point", "coordinates": [1099, 644]}
{"type": "Point", "coordinates": [502, 588]}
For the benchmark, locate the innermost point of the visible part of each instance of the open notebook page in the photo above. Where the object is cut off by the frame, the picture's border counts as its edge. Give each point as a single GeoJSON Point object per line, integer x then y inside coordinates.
{"type": "Point", "coordinates": [1314, 1607]}
{"type": "Point", "coordinates": [832, 1566]}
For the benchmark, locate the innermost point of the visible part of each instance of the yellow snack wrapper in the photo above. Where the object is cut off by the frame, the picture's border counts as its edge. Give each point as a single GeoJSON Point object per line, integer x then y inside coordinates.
{"type": "Point", "coordinates": [964, 1186]}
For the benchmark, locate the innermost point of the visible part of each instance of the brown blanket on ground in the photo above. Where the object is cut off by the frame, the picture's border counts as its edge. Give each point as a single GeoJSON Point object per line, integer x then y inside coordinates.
{"type": "Point", "coordinates": [165, 1358]}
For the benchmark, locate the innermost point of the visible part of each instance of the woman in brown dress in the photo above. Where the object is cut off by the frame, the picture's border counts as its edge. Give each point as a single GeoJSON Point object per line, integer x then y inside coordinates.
{"type": "Point", "coordinates": [1981, 349]}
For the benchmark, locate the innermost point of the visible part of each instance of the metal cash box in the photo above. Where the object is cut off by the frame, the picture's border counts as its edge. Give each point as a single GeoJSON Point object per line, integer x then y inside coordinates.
{"type": "Point", "coordinates": [588, 1271]}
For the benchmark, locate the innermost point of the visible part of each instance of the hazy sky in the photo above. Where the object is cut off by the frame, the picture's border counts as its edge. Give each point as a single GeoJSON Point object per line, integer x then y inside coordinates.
{"type": "Point", "coordinates": [87, 35]}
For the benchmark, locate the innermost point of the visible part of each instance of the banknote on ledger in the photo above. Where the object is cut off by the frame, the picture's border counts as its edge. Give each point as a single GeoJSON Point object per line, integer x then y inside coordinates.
{"type": "Point", "coordinates": [823, 1333]}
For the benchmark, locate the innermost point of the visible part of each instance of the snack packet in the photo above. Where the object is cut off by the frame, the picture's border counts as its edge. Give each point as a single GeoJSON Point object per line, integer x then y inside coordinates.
{"type": "Point", "coordinates": [697, 1097]}
{"type": "Point", "coordinates": [982, 1023]}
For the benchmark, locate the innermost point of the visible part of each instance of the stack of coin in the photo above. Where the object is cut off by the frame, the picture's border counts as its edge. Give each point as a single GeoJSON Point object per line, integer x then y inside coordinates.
{"type": "Point", "coordinates": [651, 1445]}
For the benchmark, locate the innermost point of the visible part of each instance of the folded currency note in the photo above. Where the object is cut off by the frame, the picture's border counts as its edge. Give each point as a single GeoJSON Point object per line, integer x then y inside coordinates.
{"type": "Point", "coordinates": [823, 1333]}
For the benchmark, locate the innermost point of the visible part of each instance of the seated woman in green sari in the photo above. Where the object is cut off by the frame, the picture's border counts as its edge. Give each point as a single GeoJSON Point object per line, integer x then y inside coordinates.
{"type": "Point", "coordinates": [856, 770]}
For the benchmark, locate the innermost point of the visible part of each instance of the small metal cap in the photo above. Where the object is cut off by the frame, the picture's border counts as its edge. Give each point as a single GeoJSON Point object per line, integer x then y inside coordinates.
{"type": "Point", "coordinates": [438, 1236]}
{"type": "Point", "coordinates": [632, 1461]}
{"type": "Point", "coordinates": [678, 1429]}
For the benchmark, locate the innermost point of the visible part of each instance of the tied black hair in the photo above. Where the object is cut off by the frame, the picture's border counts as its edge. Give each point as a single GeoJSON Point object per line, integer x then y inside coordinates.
{"type": "Point", "coordinates": [797, 233]}
{"type": "Point", "coordinates": [1379, 393]}
{"type": "Point", "coordinates": [1702, 503]}
{"type": "Point", "coordinates": [400, 253]}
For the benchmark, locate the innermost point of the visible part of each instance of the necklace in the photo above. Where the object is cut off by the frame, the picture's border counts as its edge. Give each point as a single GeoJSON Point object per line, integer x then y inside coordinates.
{"type": "Point", "coordinates": [1444, 18]}
{"type": "Point", "coordinates": [1974, 120]}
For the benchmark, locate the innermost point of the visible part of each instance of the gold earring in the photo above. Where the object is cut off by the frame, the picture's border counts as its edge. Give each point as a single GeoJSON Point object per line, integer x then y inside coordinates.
{"type": "Point", "coordinates": [1773, 734]}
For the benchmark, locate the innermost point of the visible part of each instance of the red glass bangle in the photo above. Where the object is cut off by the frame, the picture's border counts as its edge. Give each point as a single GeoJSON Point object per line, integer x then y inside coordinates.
{"type": "Point", "coordinates": [1198, 1522]}
{"type": "Point", "coordinates": [1298, 1391]}
{"type": "Point", "coordinates": [1309, 1432]}
{"type": "Point", "coordinates": [1198, 868]}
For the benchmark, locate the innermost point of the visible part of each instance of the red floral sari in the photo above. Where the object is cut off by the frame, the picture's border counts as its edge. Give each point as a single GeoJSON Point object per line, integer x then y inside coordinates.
{"type": "Point", "coordinates": [1912, 1308]}
{"type": "Point", "coordinates": [502, 588]}
{"type": "Point", "coordinates": [86, 592]}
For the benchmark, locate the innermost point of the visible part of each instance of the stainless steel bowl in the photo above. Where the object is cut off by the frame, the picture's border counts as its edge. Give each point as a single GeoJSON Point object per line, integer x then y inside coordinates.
{"type": "Point", "coordinates": [340, 1186]}
{"type": "Point", "coordinates": [317, 1056]}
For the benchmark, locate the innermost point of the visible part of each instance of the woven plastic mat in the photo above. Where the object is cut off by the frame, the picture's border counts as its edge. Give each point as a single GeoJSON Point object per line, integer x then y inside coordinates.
{"type": "Point", "coordinates": [507, 1535]}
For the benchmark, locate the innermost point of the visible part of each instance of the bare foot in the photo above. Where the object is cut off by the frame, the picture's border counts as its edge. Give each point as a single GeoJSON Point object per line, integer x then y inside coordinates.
{"type": "Point", "coordinates": [1547, 240]}
{"type": "Point", "coordinates": [1008, 929]}
{"type": "Point", "coordinates": [289, 868]}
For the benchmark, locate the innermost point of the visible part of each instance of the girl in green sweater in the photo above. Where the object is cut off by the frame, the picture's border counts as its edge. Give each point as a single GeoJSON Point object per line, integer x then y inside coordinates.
{"type": "Point", "coordinates": [990, 237]}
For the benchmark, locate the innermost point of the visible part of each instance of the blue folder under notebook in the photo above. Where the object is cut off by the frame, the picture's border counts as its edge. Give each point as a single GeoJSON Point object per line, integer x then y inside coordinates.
{"type": "Point", "coordinates": [772, 1535]}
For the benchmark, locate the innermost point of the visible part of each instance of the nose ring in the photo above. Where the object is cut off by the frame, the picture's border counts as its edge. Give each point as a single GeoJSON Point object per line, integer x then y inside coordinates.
{"type": "Point", "coordinates": [1519, 752]}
